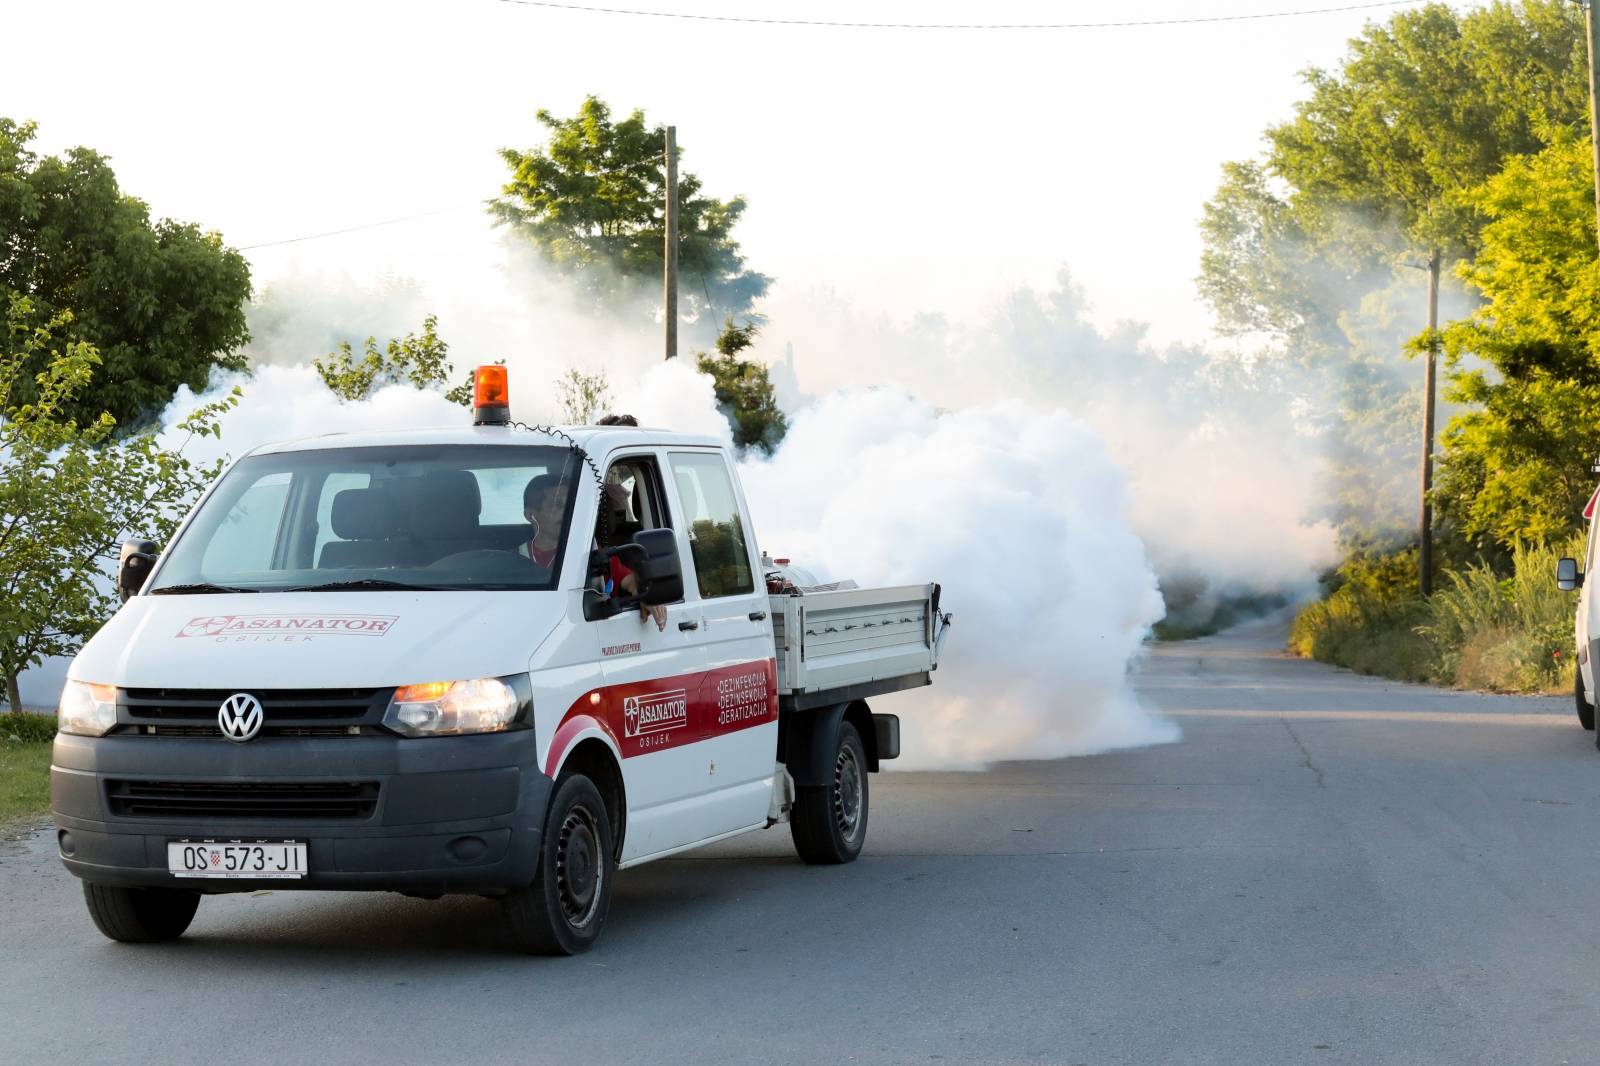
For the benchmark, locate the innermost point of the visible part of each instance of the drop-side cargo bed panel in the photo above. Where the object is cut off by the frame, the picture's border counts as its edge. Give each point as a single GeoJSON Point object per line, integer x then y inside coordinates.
{"type": "Point", "coordinates": [852, 643]}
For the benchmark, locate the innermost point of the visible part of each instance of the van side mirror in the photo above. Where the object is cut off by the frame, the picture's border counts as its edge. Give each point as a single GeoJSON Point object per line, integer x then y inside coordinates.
{"type": "Point", "coordinates": [137, 559]}
{"type": "Point", "coordinates": [653, 556]}
{"type": "Point", "coordinates": [1567, 576]}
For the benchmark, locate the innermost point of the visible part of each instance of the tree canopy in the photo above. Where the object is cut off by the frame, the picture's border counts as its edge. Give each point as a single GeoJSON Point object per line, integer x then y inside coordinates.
{"type": "Point", "coordinates": [419, 360]}
{"type": "Point", "coordinates": [743, 389]}
{"type": "Point", "coordinates": [69, 492]}
{"type": "Point", "coordinates": [1517, 461]}
{"type": "Point", "coordinates": [1379, 166]}
{"type": "Point", "coordinates": [161, 302]}
{"type": "Point", "coordinates": [591, 199]}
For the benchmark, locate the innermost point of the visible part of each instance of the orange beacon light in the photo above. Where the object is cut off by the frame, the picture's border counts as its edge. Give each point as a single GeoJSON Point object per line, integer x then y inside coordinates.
{"type": "Point", "coordinates": [491, 397]}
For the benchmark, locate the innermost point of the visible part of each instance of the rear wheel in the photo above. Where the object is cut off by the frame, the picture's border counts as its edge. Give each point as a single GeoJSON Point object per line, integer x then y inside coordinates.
{"type": "Point", "coordinates": [562, 912]}
{"type": "Point", "coordinates": [1585, 708]}
{"type": "Point", "coordinates": [829, 822]}
{"type": "Point", "coordinates": [140, 915]}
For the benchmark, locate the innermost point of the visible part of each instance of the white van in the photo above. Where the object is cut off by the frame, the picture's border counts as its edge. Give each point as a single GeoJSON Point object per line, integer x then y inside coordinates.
{"type": "Point", "coordinates": [1569, 577]}
{"type": "Point", "coordinates": [483, 660]}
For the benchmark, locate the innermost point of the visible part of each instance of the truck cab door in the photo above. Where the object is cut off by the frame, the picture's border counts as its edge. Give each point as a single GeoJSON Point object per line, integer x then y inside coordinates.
{"type": "Point", "coordinates": [651, 680]}
{"type": "Point", "coordinates": [739, 702]}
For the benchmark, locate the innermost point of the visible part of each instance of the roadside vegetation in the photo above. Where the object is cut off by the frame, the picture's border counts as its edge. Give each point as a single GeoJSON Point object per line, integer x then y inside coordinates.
{"type": "Point", "coordinates": [1482, 629]}
{"type": "Point", "coordinates": [1455, 140]}
{"type": "Point", "coordinates": [24, 768]}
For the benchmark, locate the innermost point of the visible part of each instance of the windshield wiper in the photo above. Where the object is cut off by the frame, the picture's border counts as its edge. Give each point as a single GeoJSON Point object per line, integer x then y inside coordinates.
{"type": "Point", "coordinates": [197, 588]}
{"type": "Point", "coordinates": [365, 583]}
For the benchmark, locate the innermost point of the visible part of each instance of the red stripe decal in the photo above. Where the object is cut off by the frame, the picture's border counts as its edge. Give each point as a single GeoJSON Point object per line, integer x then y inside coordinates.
{"type": "Point", "coordinates": [642, 717]}
{"type": "Point", "coordinates": [1588, 512]}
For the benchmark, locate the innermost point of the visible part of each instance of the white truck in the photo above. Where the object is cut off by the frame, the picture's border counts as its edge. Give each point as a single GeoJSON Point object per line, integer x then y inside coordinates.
{"type": "Point", "coordinates": [485, 659]}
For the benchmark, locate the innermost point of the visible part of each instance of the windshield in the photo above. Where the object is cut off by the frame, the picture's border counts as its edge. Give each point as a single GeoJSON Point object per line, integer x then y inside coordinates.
{"type": "Point", "coordinates": [448, 516]}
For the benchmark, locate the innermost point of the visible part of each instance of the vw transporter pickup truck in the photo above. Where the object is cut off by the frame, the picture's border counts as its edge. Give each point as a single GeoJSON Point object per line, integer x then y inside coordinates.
{"type": "Point", "coordinates": [487, 659]}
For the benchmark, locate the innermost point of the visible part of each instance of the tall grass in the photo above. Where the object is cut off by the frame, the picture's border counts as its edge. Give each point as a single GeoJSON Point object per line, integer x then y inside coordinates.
{"type": "Point", "coordinates": [1479, 630]}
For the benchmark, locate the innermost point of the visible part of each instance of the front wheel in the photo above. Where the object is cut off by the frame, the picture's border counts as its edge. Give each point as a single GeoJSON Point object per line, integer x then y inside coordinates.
{"type": "Point", "coordinates": [140, 915]}
{"type": "Point", "coordinates": [562, 911]}
{"type": "Point", "coordinates": [1585, 708]}
{"type": "Point", "coordinates": [829, 822]}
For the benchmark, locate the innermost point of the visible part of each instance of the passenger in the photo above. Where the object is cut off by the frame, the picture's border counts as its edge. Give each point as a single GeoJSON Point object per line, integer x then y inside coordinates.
{"type": "Point", "coordinates": [544, 503]}
{"type": "Point", "coordinates": [619, 578]}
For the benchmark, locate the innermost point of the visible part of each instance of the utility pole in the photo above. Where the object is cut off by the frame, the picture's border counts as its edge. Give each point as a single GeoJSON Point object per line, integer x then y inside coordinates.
{"type": "Point", "coordinates": [1594, 102]}
{"type": "Point", "coordinates": [671, 296]}
{"type": "Point", "coordinates": [1425, 549]}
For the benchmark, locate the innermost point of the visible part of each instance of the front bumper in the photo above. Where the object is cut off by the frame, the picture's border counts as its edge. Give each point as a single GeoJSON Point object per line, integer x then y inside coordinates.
{"type": "Point", "coordinates": [451, 814]}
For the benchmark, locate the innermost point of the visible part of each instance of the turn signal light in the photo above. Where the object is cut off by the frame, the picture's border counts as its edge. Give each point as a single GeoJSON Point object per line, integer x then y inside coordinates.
{"type": "Point", "coordinates": [491, 396]}
{"type": "Point", "coordinates": [433, 690]}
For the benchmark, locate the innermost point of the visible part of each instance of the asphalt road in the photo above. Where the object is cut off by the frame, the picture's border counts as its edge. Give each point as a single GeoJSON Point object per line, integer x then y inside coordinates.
{"type": "Point", "coordinates": [1327, 869]}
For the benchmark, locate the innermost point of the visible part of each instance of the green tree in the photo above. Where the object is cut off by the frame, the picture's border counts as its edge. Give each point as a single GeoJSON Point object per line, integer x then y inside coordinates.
{"type": "Point", "coordinates": [583, 397]}
{"type": "Point", "coordinates": [423, 362]}
{"type": "Point", "coordinates": [1376, 170]}
{"type": "Point", "coordinates": [591, 200]}
{"type": "Point", "coordinates": [70, 491]}
{"type": "Point", "coordinates": [162, 302]}
{"type": "Point", "coordinates": [1425, 107]}
{"type": "Point", "coordinates": [1517, 463]}
{"type": "Point", "coordinates": [744, 390]}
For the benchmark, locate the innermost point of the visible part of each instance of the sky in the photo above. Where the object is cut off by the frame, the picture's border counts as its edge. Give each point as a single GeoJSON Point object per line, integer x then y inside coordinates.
{"type": "Point", "coordinates": [906, 170]}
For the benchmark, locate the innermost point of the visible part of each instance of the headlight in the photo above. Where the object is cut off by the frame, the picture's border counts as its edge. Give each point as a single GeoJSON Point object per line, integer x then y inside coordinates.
{"type": "Point", "coordinates": [450, 708]}
{"type": "Point", "coordinates": [87, 710]}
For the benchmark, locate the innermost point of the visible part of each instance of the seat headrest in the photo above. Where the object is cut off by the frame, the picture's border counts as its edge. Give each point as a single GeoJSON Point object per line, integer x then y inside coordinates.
{"type": "Point", "coordinates": [362, 514]}
{"type": "Point", "coordinates": [447, 505]}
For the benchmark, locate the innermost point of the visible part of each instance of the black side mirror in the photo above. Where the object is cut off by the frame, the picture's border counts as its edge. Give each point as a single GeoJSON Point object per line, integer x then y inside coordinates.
{"type": "Point", "coordinates": [653, 556]}
{"type": "Point", "coordinates": [1567, 576]}
{"type": "Point", "coordinates": [138, 557]}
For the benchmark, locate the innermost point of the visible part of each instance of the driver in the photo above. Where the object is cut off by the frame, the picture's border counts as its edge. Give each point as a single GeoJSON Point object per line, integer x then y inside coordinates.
{"type": "Point", "coordinates": [544, 503]}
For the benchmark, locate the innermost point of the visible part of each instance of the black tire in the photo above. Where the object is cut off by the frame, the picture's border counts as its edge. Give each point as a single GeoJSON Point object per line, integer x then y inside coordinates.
{"type": "Point", "coordinates": [140, 915]}
{"type": "Point", "coordinates": [829, 822]}
{"type": "Point", "coordinates": [563, 910]}
{"type": "Point", "coordinates": [1585, 708]}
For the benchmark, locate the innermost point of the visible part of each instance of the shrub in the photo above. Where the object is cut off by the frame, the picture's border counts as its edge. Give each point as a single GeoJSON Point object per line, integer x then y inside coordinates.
{"type": "Point", "coordinates": [1479, 630]}
{"type": "Point", "coordinates": [27, 725]}
{"type": "Point", "coordinates": [1355, 628]}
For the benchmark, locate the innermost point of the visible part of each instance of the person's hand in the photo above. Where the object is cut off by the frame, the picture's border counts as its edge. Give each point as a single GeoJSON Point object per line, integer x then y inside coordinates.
{"type": "Point", "coordinates": [656, 611]}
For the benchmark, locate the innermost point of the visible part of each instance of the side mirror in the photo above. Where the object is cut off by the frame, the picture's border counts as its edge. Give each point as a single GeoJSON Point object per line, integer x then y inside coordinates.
{"type": "Point", "coordinates": [653, 556]}
{"type": "Point", "coordinates": [1567, 576]}
{"type": "Point", "coordinates": [138, 557]}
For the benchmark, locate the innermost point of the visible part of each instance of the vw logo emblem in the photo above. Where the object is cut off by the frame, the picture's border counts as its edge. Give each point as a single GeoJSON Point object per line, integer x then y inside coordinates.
{"type": "Point", "coordinates": [240, 717]}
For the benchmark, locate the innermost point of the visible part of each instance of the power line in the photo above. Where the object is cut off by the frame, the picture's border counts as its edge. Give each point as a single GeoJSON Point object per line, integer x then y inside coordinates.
{"type": "Point", "coordinates": [815, 23]}
{"type": "Point", "coordinates": [354, 229]}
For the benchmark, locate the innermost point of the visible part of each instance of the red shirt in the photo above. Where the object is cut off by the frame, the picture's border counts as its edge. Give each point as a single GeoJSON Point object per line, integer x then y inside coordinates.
{"type": "Point", "coordinates": [618, 572]}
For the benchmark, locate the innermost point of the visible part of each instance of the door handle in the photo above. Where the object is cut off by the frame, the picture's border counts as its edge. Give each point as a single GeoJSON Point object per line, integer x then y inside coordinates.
{"type": "Point", "coordinates": [686, 626]}
{"type": "Point", "coordinates": [758, 616]}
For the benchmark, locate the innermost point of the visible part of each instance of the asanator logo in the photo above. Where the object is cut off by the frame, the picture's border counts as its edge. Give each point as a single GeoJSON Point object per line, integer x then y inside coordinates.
{"type": "Point", "coordinates": [655, 712]}
{"type": "Point", "coordinates": [306, 625]}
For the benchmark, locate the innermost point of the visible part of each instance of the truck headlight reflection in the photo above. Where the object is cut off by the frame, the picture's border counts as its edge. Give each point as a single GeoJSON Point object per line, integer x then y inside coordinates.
{"type": "Point", "coordinates": [87, 710]}
{"type": "Point", "coordinates": [452, 708]}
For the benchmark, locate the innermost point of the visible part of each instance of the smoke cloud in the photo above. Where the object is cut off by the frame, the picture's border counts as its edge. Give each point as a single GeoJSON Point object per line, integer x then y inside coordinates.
{"type": "Point", "coordinates": [1022, 517]}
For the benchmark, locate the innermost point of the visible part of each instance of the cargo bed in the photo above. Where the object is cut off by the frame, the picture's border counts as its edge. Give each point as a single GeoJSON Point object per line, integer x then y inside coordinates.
{"type": "Point", "coordinates": [854, 643]}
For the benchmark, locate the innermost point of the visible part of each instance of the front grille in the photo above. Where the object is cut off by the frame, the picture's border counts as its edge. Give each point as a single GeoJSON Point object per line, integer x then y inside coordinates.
{"type": "Point", "coordinates": [285, 712]}
{"type": "Point", "coordinates": [213, 732]}
{"type": "Point", "coordinates": [329, 800]}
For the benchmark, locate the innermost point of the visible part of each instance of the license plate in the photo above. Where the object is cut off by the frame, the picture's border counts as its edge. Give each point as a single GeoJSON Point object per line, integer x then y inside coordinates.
{"type": "Point", "coordinates": [245, 859]}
